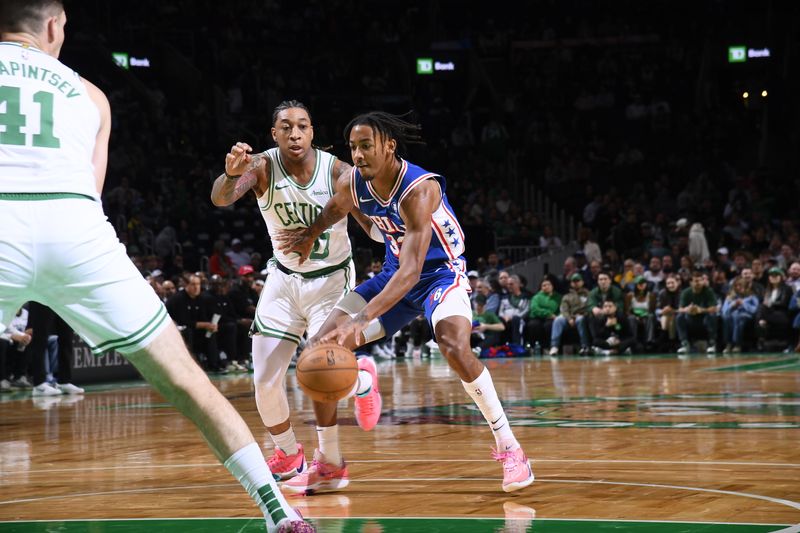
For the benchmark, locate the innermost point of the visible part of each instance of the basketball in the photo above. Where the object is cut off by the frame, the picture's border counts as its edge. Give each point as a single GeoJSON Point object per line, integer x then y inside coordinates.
{"type": "Point", "coordinates": [327, 372]}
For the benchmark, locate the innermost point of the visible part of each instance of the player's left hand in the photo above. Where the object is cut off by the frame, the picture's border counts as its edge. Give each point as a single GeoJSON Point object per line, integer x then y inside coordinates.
{"type": "Point", "coordinates": [354, 326]}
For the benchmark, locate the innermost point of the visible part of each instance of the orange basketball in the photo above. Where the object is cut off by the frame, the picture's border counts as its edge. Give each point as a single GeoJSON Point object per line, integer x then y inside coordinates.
{"type": "Point", "coordinates": [327, 372]}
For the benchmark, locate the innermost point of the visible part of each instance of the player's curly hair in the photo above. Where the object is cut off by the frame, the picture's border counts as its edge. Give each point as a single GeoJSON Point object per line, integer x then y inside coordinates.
{"type": "Point", "coordinates": [388, 126]}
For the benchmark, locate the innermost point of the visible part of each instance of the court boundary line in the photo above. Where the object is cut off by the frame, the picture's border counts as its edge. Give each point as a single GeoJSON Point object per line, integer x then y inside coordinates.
{"type": "Point", "coordinates": [769, 499]}
{"type": "Point", "coordinates": [465, 517]}
{"type": "Point", "coordinates": [407, 460]}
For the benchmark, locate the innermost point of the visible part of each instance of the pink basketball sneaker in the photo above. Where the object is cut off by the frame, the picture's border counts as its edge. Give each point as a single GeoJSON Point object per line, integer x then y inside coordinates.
{"type": "Point", "coordinates": [517, 471]}
{"type": "Point", "coordinates": [368, 407]}
{"type": "Point", "coordinates": [288, 525]}
{"type": "Point", "coordinates": [318, 476]}
{"type": "Point", "coordinates": [285, 466]}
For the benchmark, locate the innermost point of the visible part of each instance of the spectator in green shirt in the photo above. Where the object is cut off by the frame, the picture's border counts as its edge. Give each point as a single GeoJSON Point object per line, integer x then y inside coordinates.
{"type": "Point", "coordinates": [543, 310]}
{"type": "Point", "coordinates": [486, 326]}
{"type": "Point", "coordinates": [605, 290]}
{"type": "Point", "coordinates": [698, 310]}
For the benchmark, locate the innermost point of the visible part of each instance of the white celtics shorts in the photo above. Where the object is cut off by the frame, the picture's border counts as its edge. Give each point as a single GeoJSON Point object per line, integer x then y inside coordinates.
{"type": "Point", "coordinates": [291, 304]}
{"type": "Point", "coordinates": [60, 250]}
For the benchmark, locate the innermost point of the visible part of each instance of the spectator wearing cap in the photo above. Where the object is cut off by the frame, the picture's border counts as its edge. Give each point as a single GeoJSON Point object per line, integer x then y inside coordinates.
{"type": "Point", "coordinates": [237, 254]}
{"type": "Point", "coordinates": [773, 313]}
{"type": "Point", "coordinates": [572, 313]}
{"type": "Point", "coordinates": [543, 310]}
{"type": "Point", "coordinates": [487, 328]}
{"type": "Point", "coordinates": [640, 309]}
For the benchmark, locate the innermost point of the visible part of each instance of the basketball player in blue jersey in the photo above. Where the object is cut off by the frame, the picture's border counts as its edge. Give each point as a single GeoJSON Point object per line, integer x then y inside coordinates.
{"type": "Point", "coordinates": [423, 273]}
{"type": "Point", "coordinates": [57, 247]}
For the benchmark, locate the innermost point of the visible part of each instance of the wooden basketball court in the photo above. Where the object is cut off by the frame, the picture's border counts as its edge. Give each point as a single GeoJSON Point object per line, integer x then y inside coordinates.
{"type": "Point", "coordinates": [650, 444]}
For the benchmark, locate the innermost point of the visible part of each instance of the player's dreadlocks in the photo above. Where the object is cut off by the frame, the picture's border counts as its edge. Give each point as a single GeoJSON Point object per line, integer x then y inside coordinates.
{"type": "Point", "coordinates": [388, 126]}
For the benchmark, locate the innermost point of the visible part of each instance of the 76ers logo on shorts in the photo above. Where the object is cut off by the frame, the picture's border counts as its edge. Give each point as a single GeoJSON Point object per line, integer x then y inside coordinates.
{"type": "Point", "coordinates": [435, 296]}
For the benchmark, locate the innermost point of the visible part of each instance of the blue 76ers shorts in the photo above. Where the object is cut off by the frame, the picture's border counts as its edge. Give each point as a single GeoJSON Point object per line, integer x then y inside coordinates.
{"type": "Point", "coordinates": [431, 290]}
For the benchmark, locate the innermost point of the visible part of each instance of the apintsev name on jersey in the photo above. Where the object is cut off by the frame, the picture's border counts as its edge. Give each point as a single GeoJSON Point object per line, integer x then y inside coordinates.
{"type": "Point", "coordinates": [23, 70]}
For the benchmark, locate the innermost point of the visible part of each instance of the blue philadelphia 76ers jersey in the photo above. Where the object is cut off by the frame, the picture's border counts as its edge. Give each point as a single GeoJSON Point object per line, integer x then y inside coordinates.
{"type": "Point", "coordinates": [447, 237]}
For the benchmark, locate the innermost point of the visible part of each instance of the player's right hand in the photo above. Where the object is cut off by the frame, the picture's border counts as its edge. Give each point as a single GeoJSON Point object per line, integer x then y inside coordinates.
{"type": "Point", "coordinates": [297, 241]}
{"type": "Point", "coordinates": [238, 159]}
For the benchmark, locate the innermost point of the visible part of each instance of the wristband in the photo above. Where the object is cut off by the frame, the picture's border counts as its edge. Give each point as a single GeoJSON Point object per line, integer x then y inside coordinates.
{"type": "Point", "coordinates": [375, 234]}
{"type": "Point", "coordinates": [228, 176]}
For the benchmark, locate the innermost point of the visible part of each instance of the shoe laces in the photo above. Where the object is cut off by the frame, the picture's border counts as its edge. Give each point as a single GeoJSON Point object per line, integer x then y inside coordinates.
{"type": "Point", "coordinates": [278, 457]}
{"type": "Point", "coordinates": [508, 458]}
{"type": "Point", "coordinates": [367, 402]}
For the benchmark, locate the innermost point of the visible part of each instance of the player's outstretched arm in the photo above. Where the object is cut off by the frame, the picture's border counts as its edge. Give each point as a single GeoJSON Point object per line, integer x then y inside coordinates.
{"type": "Point", "coordinates": [243, 172]}
{"type": "Point", "coordinates": [301, 240]}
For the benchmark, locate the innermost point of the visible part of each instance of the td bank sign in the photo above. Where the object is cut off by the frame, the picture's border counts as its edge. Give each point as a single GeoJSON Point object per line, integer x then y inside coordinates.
{"type": "Point", "coordinates": [740, 54]}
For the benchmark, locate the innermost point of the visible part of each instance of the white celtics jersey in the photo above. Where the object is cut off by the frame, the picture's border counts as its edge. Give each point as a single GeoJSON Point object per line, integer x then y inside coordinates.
{"type": "Point", "coordinates": [48, 125]}
{"type": "Point", "coordinates": [288, 205]}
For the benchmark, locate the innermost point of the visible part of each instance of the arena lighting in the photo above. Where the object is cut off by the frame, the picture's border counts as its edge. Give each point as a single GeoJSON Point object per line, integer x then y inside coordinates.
{"type": "Point", "coordinates": [745, 95]}
{"type": "Point", "coordinates": [764, 93]}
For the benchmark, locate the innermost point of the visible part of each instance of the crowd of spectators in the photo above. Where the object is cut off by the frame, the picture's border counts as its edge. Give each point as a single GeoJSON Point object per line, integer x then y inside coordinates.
{"type": "Point", "coordinates": [643, 309]}
{"type": "Point", "coordinates": [608, 108]}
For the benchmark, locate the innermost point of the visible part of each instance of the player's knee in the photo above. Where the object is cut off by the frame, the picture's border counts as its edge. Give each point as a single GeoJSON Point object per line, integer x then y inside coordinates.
{"type": "Point", "coordinates": [453, 346]}
{"type": "Point", "coordinates": [273, 405]}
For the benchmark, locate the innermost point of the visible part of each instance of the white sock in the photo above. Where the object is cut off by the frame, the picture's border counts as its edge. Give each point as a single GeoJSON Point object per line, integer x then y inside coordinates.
{"type": "Point", "coordinates": [329, 444]}
{"type": "Point", "coordinates": [484, 395]}
{"type": "Point", "coordinates": [286, 441]}
{"type": "Point", "coordinates": [249, 467]}
{"type": "Point", "coordinates": [363, 383]}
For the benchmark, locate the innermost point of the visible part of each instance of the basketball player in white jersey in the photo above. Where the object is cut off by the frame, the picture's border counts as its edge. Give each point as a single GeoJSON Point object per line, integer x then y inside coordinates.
{"type": "Point", "coordinates": [57, 247]}
{"type": "Point", "coordinates": [292, 183]}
